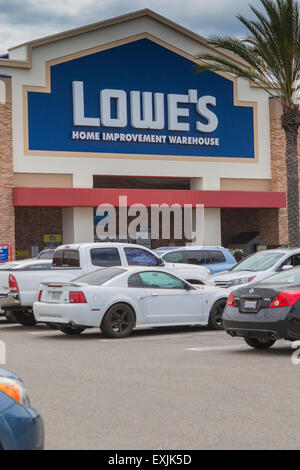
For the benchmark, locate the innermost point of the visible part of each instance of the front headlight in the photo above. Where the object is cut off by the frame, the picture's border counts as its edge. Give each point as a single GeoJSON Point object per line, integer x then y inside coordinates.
{"type": "Point", "coordinates": [243, 280]}
{"type": "Point", "coordinates": [208, 271]}
{"type": "Point", "coordinates": [15, 390]}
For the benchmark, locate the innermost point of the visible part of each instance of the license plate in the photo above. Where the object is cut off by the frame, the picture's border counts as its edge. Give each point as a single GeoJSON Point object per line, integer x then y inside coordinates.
{"type": "Point", "coordinates": [54, 296]}
{"type": "Point", "coordinates": [251, 304]}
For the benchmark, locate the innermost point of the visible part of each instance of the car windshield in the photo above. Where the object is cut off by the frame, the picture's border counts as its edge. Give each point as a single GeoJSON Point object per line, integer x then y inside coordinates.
{"type": "Point", "coordinates": [100, 276]}
{"type": "Point", "coordinates": [258, 262]}
{"type": "Point", "coordinates": [292, 276]}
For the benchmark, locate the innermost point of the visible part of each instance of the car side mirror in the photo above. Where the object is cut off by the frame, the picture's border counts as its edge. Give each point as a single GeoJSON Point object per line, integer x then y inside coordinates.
{"type": "Point", "coordinates": [160, 262]}
{"type": "Point", "coordinates": [286, 267]}
{"type": "Point", "coordinates": [188, 287]}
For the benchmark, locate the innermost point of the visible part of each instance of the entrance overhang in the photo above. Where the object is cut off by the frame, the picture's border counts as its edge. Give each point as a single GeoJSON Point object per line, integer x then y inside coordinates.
{"type": "Point", "coordinates": [93, 197]}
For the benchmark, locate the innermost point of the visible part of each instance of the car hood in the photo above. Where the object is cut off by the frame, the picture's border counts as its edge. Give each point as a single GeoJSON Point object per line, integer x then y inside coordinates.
{"type": "Point", "coordinates": [210, 288]}
{"type": "Point", "coordinates": [186, 266]}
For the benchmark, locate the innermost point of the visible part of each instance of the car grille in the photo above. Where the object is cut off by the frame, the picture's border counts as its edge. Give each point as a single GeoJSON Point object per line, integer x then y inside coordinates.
{"type": "Point", "coordinates": [223, 284]}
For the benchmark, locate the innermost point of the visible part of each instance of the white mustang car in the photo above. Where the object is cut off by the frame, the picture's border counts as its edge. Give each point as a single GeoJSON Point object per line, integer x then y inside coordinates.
{"type": "Point", "coordinates": [119, 299]}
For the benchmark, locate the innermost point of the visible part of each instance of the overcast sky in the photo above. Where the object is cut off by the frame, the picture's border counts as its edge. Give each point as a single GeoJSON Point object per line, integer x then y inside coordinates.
{"type": "Point", "coordinates": [24, 20]}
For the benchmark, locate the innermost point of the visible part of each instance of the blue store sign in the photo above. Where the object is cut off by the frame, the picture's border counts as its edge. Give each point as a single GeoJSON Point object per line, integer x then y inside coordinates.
{"type": "Point", "coordinates": [5, 252]}
{"type": "Point", "coordinates": [139, 98]}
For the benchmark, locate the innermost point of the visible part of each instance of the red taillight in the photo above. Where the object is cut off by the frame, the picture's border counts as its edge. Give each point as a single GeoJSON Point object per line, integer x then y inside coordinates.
{"type": "Point", "coordinates": [77, 297]}
{"type": "Point", "coordinates": [40, 295]}
{"type": "Point", "coordinates": [285, 299]}
{"type": "Point", "coordinates": [12, 284]}
{"type": "Point", "coordinates": [230, 300]}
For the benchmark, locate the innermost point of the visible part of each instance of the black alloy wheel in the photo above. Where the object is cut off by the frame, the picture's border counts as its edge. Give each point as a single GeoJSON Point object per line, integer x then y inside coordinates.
{"type": "Point", "coordinates": [118, 322]}
{"type": "Point", "coordinates": [216, 315]}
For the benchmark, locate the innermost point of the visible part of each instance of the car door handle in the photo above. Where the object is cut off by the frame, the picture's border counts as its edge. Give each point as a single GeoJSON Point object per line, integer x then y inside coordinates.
{"type": "Point", "coordinates": [154, 294]}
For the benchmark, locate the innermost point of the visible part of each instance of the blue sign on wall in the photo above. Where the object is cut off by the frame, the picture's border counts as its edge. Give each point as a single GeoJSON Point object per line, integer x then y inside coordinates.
{"type": "Point", "coordinates": [139, 98]}
{"type": "Point", "coordinates": [4, 253]}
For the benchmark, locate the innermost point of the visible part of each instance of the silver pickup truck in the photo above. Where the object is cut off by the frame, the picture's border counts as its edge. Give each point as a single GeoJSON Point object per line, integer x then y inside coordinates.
{"type": "Point", "coordinates": [19, 281]}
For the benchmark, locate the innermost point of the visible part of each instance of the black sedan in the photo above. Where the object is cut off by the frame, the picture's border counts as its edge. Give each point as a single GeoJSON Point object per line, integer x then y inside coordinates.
{"type": "Point", "coordinates": [267, 311]}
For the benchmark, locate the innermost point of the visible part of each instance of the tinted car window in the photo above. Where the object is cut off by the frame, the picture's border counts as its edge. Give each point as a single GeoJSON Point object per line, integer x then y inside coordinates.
{"type": "Point", "coordinates": [66, 258]}
{"type": "Point", "coordinates": [291, 261]}
{"type": "Point", "coordinates": [213, 257]}
{"type": "Point", "coordinates": [175, 257]}
{"type": "Point", "coordinates": [139, 257]}
{"type": "Point", "coordinates": [105, 257]}
{"type": "Point", "coordinates": [135, 281]}
{"type": "Point", "coordinates": [195, 257]}
{"type": "Point", "coordinates": [100, 276]}
{"type": "Point", "coordinates": [58, 258]}
{"type": "Point", "coordinates": [71, 258]}
{"type": "Point", "coordinates": [296, 260]}
{"type": "Point", "coordinates": [152, 279]}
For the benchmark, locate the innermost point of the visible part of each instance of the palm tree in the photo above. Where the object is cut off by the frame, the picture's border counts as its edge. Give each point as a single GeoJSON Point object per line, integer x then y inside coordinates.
{"type": "Point", "coordinates": [271, 51]}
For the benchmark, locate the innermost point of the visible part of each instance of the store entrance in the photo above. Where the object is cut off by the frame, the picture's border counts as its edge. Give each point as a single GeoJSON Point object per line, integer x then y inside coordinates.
{"type": "Point", "coordinates": [250, 230]}
{"type": "Point", "coordinates": [37, 228]}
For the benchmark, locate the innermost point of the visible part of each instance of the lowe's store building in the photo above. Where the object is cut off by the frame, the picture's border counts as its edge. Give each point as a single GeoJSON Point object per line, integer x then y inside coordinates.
{"type": "Point", "coordinates": [115, 109]}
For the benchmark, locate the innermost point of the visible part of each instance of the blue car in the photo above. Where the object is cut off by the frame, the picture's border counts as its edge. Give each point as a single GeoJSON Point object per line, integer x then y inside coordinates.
{"type": "Point", "coordinates": [215, 258]}
{"type": "Point", "coordinates": [21, 427]}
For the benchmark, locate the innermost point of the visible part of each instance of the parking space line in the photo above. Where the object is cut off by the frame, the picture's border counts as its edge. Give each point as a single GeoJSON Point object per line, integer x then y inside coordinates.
{"type": "Point", "coordinates": [40, 332]}
{"type": "Point", "coordinates": [157, 337]}
{"type": "Point", "coordinates": [218, 348]}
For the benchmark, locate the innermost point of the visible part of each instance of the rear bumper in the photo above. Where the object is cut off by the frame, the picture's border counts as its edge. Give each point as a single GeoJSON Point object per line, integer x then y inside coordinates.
{"type": "Point", "coordinates": [276, 322]}
{"type": "Point", "coordinates": [78, 314]}
{"type": "Point", "coordinates": [9, 300]}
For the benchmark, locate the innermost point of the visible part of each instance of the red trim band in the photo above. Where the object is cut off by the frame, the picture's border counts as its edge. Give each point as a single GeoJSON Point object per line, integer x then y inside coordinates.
{"type": "Point", "coordinates": [81, 197]}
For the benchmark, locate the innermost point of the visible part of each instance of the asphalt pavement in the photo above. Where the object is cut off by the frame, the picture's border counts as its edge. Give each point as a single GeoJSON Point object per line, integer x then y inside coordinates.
{"type": "Point", "coordinates": [182, 388]}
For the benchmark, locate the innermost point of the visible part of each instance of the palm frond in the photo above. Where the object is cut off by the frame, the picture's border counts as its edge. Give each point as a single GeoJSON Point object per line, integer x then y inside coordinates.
{"type": "Point", "coordinates": [271, 49]}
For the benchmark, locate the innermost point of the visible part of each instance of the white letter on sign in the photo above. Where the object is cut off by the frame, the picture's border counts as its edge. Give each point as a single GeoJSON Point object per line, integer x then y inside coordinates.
{"type": "Point", "coordinates": [121, 104]}
{"type": "Point", "coordinates": [174, 113]}
{"type": "Point", "coordinates": [212, 120]}
{"type": "Point", "coordinates": [143, 119]}
{"type": "Point", "coordinates": [78, 107]}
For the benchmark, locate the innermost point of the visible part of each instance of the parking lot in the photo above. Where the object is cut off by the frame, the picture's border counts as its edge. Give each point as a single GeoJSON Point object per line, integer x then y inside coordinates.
{"type": "Point", "coordinates": [183, 388]}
